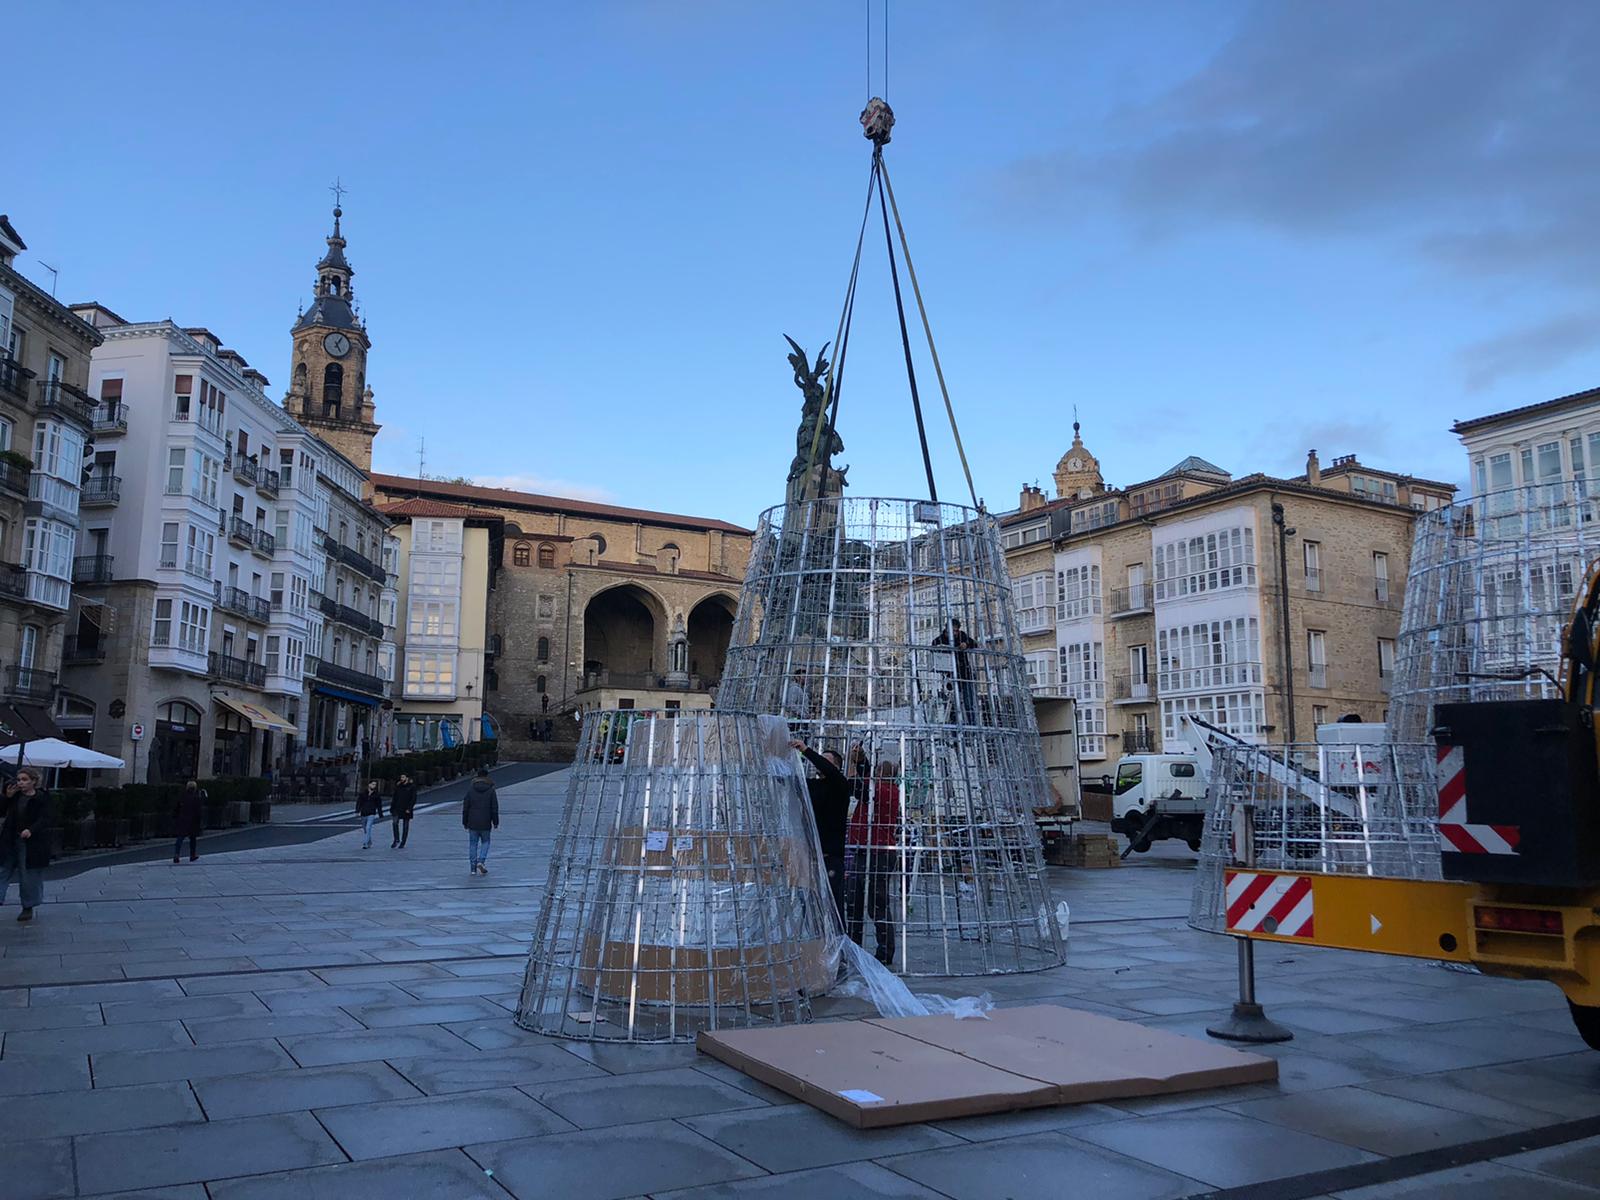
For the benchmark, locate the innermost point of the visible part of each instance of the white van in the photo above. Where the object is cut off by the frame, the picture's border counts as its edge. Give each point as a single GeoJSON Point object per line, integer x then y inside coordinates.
{"type": "Point", "coordinates": [1169, 787]}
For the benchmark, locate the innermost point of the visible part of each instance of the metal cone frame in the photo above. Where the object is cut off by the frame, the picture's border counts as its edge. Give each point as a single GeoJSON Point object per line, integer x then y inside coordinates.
{"type": "Point", "coordinates": [883, 629]}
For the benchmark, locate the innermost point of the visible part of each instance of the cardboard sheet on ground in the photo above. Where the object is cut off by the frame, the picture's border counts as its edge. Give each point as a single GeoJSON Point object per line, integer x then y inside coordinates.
{"type": "Point", "coordinates": [897, 1071]}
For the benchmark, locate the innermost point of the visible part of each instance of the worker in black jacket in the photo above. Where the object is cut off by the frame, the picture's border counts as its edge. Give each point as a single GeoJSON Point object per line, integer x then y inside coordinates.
{"type": "Point", "coordinates": [830, 801]}
{"type": "Point", "coordinates": [24, 839]}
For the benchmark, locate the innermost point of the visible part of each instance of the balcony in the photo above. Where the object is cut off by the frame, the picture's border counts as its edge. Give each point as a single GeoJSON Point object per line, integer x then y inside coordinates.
{"type": "Point", "coordinates": [111, 418]}
{"type": "Point", "coordinates": [1126, 689]}
{"type": "Point", "coordinates": [14, 379]}
{"type": "Point", "coordinates": [356, 681]}
{"type": "Point", "coordinates": [267, 484]}
{"type": "Point", "coordinates": [48, 591]}
{"type": "Point", "coordinates": [57, 397]}
{"type": "Point", "coordinates": [1133, 600]}
{"type": "Point", "coordinates": [261, 610]}
{"type": "Point", "coordinates": [357, 619]}
{"type": "Point", "coordinates": [326, 606]}
{"type": "Point", "coordinates": [241, 532]}
{"type": "Point", "coordinates": [28, 683]}
{"type": "Point", "coordinates": [82, 651]}
{"type": "Point", "coordinates": [236, 670]}
{"type": "Point", "coordinates": [245, 469]}
{"type": "Point", "coordinates": [266, 545]}
{"type": "Point", "coordinates": [92, 568]}
{"type": "Point", "coordinates": [1036, 620]}
{"type": "Point", "coordinates": [362, 563]}
{"type": "Point", "coordinates": [101, 491]}
{"type": "Point", "coordinates": [1139, 741]}
{"type": "Point", "coordinates": [313, 664]}
{"type": "Point", "coordinates": [55, 494]}
{"type": "Point", "coordinates": [13, 581]}
{"type": "Point", "coordinates": [237, 600]}
{"type": "Point", "coordinates": [14, 477]}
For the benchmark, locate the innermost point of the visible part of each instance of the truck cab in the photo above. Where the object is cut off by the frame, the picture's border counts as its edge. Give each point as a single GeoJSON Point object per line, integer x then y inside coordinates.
{"type": "Point", "coordinates": [1159, 796]}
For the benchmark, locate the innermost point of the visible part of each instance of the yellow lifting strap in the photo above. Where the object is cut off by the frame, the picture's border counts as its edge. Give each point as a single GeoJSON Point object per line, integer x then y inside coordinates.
{"type": "Point", "coordinates": [927, 329]}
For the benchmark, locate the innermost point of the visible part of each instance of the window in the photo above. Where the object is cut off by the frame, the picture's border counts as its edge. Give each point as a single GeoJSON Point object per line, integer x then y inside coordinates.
{"type": "Point", "coordinates": [182, 395]}
{"type": "Point", "coordinates": [193, 625]}
{"type": "Point", "coordinates": [1181, 770]}
{"type": "Point", "coordinates": [202, 544]}
{"type": "Point", "coordinates": [1380, 576]}
{"type": "Point", "coordinates": [280, 527]}
{"type": "Point", "coordinates": [7, 431]}
{"type": "Point", "coordinates": [433, 619]}
{"type": "Point", "coordinates": [161, 635]}
{"type": "Point", "coordinates": [1139, 664]}
{"type": "Point", "coordinates": [1317, 656]}
{"type": "Point", "coordinates": [169, 544]}
{"type": "Point", "coordinates": [276, 593]}
{"type": "Point", "coordinates": [1036, 601]}
{"type": "Point", "coordinates": [669, 556]}
{"type": "Point", "coordinates": [58, 451]}
{"type": "Point", "coordinates": [547, 555]}
{"type": "Point", "coordinates": [430, 674]}
{"type": "Point", "coordinates": [1385, 660]}
{"type": "Point", "coordinates": [540, 684]}
{"type": "Point", "coordinates": [1013, 539]}
{"type": "Point", "coordinates": [1207, 563]}
{"type": "Point", "coordinates": [175, 462]}
{"type": "Point", "coordinates": [294, 657]}
{"type": "Point", "coordinates": [1083, 670]}
{"type": "Point", "coordinates": [1078, 592]}
{"type": "Point", "coordinates": [1319, 714]}
{"type": "Point", "coordinates": [1313, 555]}
{"type": "Point", "coordinates": [47, 547]}
{"type": "Point", "coordinates": [273, 653]}
{"type": "Point", "coordinates": [1209, 656]}
{"type": "Point", "coordinates": [520, 554]}
{"type": "Point", "coordinates": [544, 650]}
{"type": "Point", "coordinates": [599, 543]}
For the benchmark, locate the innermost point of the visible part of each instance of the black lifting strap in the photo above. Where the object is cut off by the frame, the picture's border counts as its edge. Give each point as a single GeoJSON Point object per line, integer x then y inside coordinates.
{"type": "Point", "coordinates": [905, 337]}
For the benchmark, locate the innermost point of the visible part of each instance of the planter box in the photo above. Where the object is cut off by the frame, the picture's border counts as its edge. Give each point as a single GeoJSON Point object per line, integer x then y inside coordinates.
{"type": "Point", "coordinates": [238, 812]}
{"type": "Point", "coordinates": [260, 812]}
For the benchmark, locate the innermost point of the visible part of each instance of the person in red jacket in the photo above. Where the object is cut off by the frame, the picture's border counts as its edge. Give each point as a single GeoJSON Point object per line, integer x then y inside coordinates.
{"type": "Point", "coordinates": [874, 869]}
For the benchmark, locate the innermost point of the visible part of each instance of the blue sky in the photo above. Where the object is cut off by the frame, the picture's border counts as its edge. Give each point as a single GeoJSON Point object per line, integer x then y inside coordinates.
{"type": "Point", "coordinates": [580, 231]}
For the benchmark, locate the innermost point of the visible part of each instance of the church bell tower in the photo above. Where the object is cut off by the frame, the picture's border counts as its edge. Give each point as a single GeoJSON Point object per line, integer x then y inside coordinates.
{"type": "Point", "coordinates": [328, 392]}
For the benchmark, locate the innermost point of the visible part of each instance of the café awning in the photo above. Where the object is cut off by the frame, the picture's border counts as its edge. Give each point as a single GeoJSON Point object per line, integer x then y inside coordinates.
{"type": "Point", "coordinates": [261, 718]}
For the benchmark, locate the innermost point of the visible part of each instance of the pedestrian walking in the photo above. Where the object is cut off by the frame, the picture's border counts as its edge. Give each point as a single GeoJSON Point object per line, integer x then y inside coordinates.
{"type": "Point", "coordinates": [25, 840]}
{"type": "Point", "coordinates": [874, 863]}
{"type": "Point", "coordinates": [401, 805]}
{"type": "Point", "coordinates": [369, 807]}
{"type": "Point", "coordinates": [480, 813]}
{"type": "Point", "coordinates": [188, 813]}
{"type": "Point", "coordinates": [830, 802]}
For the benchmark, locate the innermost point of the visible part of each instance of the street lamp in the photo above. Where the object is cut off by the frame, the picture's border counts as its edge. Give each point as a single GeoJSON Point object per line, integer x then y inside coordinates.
{"type": "Point", "coordinates": [1286, 645]}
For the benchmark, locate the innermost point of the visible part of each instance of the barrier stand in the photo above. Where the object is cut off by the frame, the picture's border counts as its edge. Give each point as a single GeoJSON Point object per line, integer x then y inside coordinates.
{"type": "Point", "coordinates": [1248, 1022]}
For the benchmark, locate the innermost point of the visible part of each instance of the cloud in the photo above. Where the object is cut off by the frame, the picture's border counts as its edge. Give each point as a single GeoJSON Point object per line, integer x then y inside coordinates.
{"type": "Point", "coordinates": [545, 487]}
{"type": "Point", "coordinates": [1531, 348]}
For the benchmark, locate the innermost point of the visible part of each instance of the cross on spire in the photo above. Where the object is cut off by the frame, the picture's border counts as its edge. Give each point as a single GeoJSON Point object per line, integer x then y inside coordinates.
{"type": "Point", "coordinates": [338, 189]}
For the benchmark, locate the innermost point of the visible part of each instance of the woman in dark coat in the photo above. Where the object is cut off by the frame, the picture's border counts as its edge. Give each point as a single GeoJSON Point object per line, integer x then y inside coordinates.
{"type": "Point", "coordinates": [24, 839]}
{"type": "Point", "coordinates": [187, 817]}
{"type": "Point", "coordinates": [401, 805]}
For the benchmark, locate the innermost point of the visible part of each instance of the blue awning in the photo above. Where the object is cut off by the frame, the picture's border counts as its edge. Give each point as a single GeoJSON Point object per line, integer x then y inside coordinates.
{"type": "Point", "coordinates": [341, 694]}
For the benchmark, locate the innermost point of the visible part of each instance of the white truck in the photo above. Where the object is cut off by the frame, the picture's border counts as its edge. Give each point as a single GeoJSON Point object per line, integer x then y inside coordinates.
{"type": "Point", "coordinates": [1159, 796]}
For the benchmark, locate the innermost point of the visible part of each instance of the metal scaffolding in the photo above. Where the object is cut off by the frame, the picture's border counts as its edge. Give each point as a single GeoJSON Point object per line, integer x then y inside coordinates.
{"type": "Point", "coordinates": [883, 629]}
{"type": "Point", "coordinates": [684, 890]}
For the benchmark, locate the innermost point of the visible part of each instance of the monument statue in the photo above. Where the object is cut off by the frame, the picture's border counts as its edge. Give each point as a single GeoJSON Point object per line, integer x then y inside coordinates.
{"type": "Point", "coordinates": [824, 479]}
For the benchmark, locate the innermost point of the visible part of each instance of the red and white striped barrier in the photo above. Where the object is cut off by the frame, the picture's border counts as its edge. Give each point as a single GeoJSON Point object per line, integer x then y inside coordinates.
{"type": "Point", "coordinates": [1462, 836]}
{"type": "Point", "coordinates": [1276, 904]}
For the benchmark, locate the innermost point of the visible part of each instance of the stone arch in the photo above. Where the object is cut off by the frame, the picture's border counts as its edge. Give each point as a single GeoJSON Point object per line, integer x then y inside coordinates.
{"type": "Point", "coordinates": [624, 632]}
{"type": "Point", "coordinates": [710, 629]}
{"type": "Point", "coordinates": [332, 389]}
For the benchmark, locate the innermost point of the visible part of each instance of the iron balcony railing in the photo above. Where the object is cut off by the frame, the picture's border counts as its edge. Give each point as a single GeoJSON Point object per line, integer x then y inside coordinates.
{"type": "Point", "coordinates": [265, 543]}
{"type": "Point", "coordinates": [1139, 741]}
{"type": "Point", "coordinates": [1136, 598]}
{"type": "Point", "coordinates": [80, 649]}
{"type": "Point", "coordinates": [237, 600]}
{"type": "Point", "coordinates": [362, 563]}
{"type": "Point", "coordinates": [101, 490]}
{"type": "Point", "coordinates": [14, 478]}
{"type": "Point", "coordinates": [357, 619]}
{"type": "Point", "coordinates": [359, 681]}
{"type": "Point", "coordinates": [13, 580]}
{"type": "Point", "coordinates": [60, 397]}
{"type": "Point", "coordinates": [111, 417]}
{"type": "Point", "coordinates": [326, 606]}
{"type": "Point", "coordinates": [30, 683]}
{"type": "Point", "coordinates": [268, 482]}
{"type": "Point", "coordinates": [92, 568]}
{"type": "Point", "coordinates": [14, 378]}
{"type": "Point", "coordinates": [236, 670]}
{"type": "Point", "coordinates": [241, 531]}
{"type": "Point", "coordinates": [245, 470]}
{"type": "Point", "coordinates": [261, 609]}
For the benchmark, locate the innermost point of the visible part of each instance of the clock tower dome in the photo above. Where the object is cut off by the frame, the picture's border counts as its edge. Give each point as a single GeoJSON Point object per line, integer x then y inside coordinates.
{"type": "Point", "coordinates": [1078, 472]}
{"type": "Point", "coordinates": [328, 391]}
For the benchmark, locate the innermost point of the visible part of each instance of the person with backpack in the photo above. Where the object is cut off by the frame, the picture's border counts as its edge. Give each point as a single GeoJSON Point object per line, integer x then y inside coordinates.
{"type": "Point", "coordinates": [369, 807]}
{"type": "Point", "coordinates": [24, 840]}
{"type": "Point", "coordinates": [401, 806]}
{"type": "Point", "coordinates": [480, 812]}
{"type": "Point", "coordinates": [188, 818]}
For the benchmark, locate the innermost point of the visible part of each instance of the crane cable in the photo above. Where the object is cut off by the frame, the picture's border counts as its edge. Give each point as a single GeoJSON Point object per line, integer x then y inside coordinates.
{"type": "Point", "coordinates": [905, 337]}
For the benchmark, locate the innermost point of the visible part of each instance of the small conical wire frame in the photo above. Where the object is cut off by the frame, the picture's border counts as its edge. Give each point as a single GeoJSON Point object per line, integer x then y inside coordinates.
{"type": "Point", "coordinates": [845, 629]}
{"type": "Point", "coordinates": [684, 890]}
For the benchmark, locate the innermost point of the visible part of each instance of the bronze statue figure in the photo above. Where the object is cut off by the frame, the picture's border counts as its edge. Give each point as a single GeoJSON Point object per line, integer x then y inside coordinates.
{"type": "Point", "coordinates": [811, 379]}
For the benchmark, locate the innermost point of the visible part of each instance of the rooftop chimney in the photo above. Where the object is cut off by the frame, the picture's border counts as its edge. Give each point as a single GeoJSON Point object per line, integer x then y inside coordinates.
{"type": "Point", "coordinates": [1032, 498]}
{"type": "Point", "coordinates": [1313, 470]}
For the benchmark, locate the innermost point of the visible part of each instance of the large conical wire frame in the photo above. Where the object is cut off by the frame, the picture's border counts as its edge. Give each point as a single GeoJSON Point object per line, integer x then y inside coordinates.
{"type": "Point", "coordinates": [842, 606]}
{"type": "Point", "coordinates": [684, 890]}
{"type": "Point", "coordinates": [1489, 594]}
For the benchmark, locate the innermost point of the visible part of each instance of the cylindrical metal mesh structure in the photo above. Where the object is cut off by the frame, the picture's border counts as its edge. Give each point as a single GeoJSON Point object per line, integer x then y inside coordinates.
{"type": "Point", "coordinates": [883, 629]}
{"type": "Point", "coordinates": [1337, 809]}
{"type": "Point", "coordinates": [684, 891]}
{"type": "Point", "coordinates": [1490, 590]}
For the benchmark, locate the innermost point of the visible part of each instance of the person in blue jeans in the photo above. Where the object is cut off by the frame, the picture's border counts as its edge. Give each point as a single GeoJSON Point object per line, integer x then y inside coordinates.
{"type": "Point", "coordinates": [369, 807]}
{"type": "Point", "coordinates": [480, 812]}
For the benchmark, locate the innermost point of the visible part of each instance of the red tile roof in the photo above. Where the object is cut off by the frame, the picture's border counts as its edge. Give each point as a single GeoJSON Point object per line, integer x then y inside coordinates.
{"type": "Point", "coordinates": [506, 498]}
{"type": "Point", "coordinates": [426, 508]}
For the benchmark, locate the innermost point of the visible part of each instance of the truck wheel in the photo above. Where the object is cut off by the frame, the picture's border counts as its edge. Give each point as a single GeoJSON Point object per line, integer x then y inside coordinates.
{"type": "Point", "coordinates": [1142, 845]}
{"type": "Point", "coordinates": [1194, 844]}
{"type": "Point", "coordinates": [1587, 1019]}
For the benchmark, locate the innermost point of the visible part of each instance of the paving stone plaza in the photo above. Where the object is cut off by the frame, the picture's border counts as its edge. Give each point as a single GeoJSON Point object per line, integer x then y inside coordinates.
{"type": "Point", "coordinates": [315, 1020]}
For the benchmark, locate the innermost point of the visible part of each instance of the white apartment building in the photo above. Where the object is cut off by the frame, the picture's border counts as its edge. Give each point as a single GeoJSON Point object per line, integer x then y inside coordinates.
{"type": "Point", "coordinates": [1553, 445]}
{"type": "Point", "coordinates": [211, 555]}
{"type": "Point", "coordinates": [1081, 643]}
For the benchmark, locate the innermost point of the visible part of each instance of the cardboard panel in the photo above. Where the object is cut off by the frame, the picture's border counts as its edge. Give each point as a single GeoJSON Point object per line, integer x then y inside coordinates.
{"type": "Point", "coordinates": [897, 1071]}
{"type": "Point", "coordinates": [869, 1076]}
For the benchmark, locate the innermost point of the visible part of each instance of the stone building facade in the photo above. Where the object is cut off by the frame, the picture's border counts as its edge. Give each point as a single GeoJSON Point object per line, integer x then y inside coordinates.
{"type": "Point", "coordinates": [1166, 597]}
{"type": "Point", "coordinates": [47, 420]}
{"type": "Point", "coordinates": [597, 604]}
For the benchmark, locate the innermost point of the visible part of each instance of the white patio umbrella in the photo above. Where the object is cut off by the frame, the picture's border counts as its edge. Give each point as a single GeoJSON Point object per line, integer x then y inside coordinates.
{"type": "Point", "coordinates": [53, 752]}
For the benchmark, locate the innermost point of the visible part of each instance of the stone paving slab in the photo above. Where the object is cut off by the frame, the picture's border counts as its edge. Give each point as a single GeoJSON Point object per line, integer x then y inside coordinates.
{"type": "Point", "coordinates": [120, 1068]}
{"type": "Point", "coordinates": [37, 1170]}
{"type": "Point", "coordinates": [193, 1153]}
{"type": "Point", "coordinates": [635, 1099]}
{"type": "Point", "coordinates": [438, 1122]}
{"type": "Point", "coordinates": [844, 1180]}
{"type": "Point", "coordinates": [103, 1110]}
{"type": "Point", "coordinates": [1047, 1164]}
{"type": "Point", "coordinates": [1479, 1181]}
{"type": "Point", "coordinates": [799, 1136]}
{"type": "Point", "coordinates": [448, 1173]}
{"type": "Point", "coordinates": [22, 1075]}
